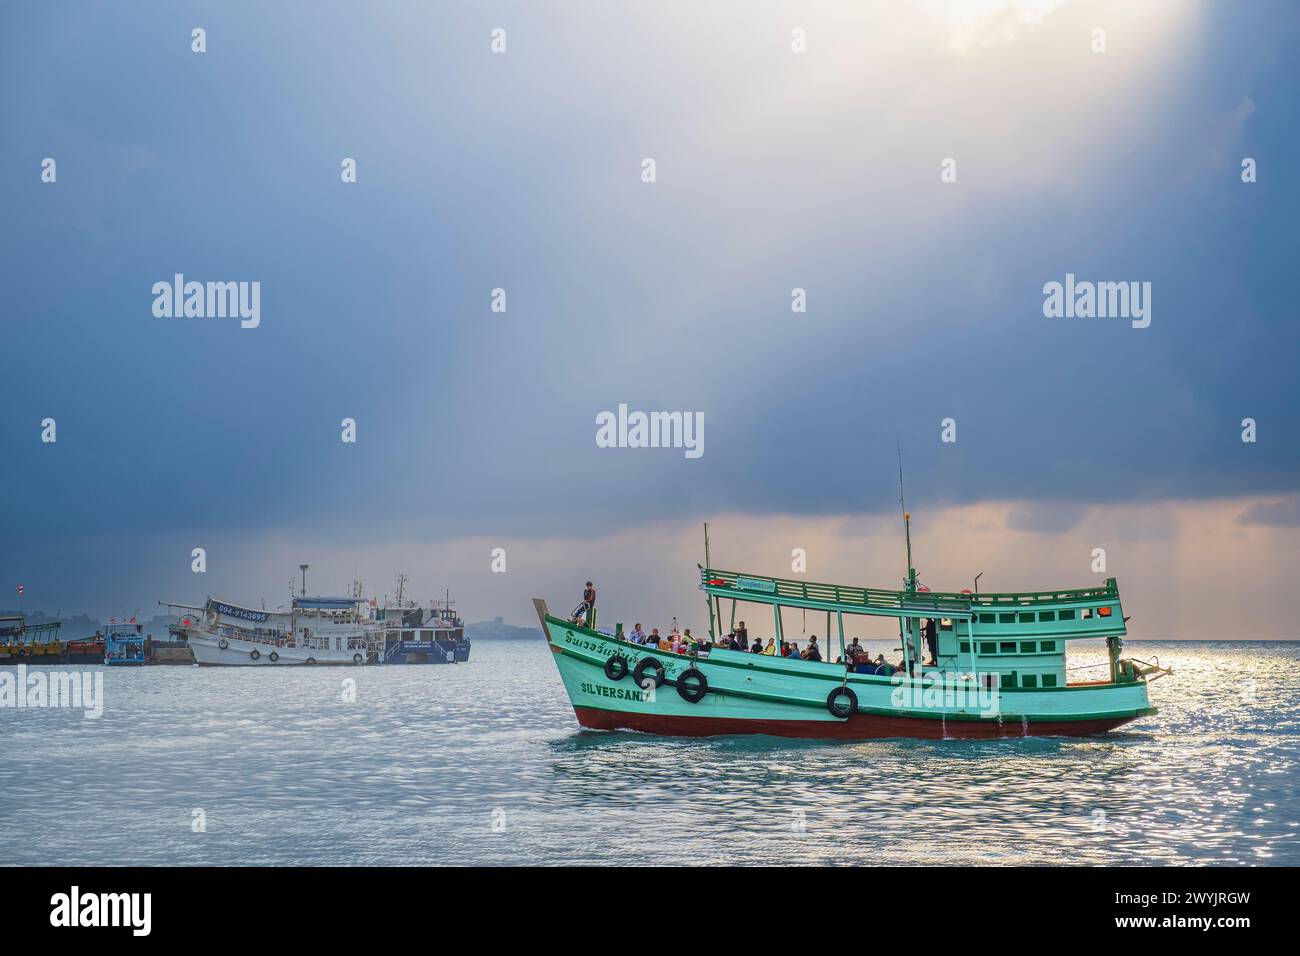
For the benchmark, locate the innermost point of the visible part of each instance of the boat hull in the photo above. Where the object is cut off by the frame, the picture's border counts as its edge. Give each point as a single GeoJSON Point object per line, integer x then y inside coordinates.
{"type": "Point", "coordinates": [208, 651]}
{"type": "Point", "coordinates": [857, 727]}
{"type": "Point", "coordinates": [755, 694]}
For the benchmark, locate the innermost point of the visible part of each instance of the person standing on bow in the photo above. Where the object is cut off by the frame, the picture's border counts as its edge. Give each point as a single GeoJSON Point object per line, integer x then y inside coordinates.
{"type": "Point", "coordinates": [586, 611]}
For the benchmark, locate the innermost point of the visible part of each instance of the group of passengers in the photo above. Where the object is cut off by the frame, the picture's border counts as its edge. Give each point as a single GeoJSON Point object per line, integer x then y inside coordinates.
{"type": "Point", "coordinates": [855, 658]}
{"type": "Point", "coordinates": [679, 642]}
{"type": "Point", "coordinates": [738, 640]}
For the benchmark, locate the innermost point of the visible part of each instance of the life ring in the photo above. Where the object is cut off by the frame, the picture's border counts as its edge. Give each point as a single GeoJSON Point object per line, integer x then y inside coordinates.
{"type": "Point", "coordinates": [616, 667]}
{"type": "Point", "coordinates": [255, 654]}
{"type": "Point", "coordinates": [223, 643]}
{"type": "Point", "coordinates": [842, 702]}
{"type": "Point", "coordinates": [310, 660]}
{"type": "Point", "coordinates": [357, 658]}
{"type": "Point", "coordinates": [273, 657]}
{"type": "Point", "coordinates": [645, 664]}
{"type": "Point", "coordinates": [692, 685]}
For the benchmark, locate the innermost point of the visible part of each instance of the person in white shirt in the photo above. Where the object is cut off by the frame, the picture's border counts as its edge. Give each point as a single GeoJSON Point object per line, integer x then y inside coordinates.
{"type": "Point", "coordinates": [637, 636]}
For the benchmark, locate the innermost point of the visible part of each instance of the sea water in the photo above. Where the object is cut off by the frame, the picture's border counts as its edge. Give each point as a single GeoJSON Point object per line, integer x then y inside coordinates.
{"type": "Point", "coordinates": [484, 763]}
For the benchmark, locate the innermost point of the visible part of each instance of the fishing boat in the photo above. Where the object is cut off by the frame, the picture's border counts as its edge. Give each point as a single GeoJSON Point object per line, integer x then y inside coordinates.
{"type": "Point", "coordinates": [413, 634]}
{"type": "Point", "coordinates": [998, 667]}
{"type": "Point", "coordinates": [124, 644]}
{"type": "Point", "coordinates": [314, 630]}
{"type": "Point", "coordinates": [24, 643]}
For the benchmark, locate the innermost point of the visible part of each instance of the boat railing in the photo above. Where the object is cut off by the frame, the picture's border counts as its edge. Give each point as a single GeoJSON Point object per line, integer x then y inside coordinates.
{"type": "Point", "coordinates": [273, 638]}
{"type": "Point", "coordinates": [759, 587]}
{"type": "Point", "coordinates": [770, 590]}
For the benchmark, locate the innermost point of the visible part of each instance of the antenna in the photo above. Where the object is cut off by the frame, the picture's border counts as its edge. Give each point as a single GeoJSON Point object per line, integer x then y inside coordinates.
{"type": "Point", "coordinates": [707, 563]}
{"type": "Point", "coordinates": [303, 568]}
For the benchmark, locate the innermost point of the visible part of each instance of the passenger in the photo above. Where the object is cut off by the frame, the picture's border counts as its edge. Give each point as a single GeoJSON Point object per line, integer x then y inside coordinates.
{"type": "Point", "coordinates": [854, 649]}
{"type": "Point", "coordinates": [757, 648]}
{"type": "Point", "coordinates": [932, 640]}
{"type": "Point", "coordinates": [792, 651]}
{"type": "Point", "coordinates": [688, 639]}
{"type": "Point", "coordinates": [813, 653]}
{"type": "Point", "coordinates": [742, 636]}
{"type": "Point", "coordinates": [770, 650]}
{"type": "Point", "coordinates": [654, 640]}
{"type": "Point", "coordinates": [637, 636]}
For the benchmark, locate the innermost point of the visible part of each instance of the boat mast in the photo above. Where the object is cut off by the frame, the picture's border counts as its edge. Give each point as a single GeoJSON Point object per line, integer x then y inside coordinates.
{"type": "Point", "coordinates": [709, 597]}
{"type": "Point", "coordinates": [907, 524]}
{"type": "Point", "coordinates": [906, 626]}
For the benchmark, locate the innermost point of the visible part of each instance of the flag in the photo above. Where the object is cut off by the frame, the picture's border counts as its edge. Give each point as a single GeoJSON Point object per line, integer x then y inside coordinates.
{"type": "Point", "coordinates": [21, 589]}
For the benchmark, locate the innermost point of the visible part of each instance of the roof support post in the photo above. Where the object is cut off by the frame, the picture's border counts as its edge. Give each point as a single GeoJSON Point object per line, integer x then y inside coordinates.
{"type": "Point", "coordinates": [970, 636]}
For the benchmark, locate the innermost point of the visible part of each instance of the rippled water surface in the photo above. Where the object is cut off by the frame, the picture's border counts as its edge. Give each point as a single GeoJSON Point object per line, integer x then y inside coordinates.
{"type": "Point", "coordinates": [484, 763]}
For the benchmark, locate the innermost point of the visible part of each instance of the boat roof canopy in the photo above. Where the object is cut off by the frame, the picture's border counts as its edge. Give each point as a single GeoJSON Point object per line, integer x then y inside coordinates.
{"type": "Point", "coordinates": [857, 600]}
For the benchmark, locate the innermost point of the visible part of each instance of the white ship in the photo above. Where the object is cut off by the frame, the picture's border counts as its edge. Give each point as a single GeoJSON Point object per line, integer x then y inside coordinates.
{"type": "Point", "coordinates": [315, 630]}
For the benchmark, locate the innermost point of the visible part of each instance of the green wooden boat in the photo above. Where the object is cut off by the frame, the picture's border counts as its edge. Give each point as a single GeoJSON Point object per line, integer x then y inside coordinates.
{"type": "Point", "coordinates": [999, 671]}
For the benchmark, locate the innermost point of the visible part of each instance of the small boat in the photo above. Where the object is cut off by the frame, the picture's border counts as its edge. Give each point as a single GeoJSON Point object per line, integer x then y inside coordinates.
{"type": "Point", "coordinates": [88, 650]}
{"type": "Point", "coordinates": [315, 630]}
{"type": "Point", "coordinates": [124, 644]}
{"type": "Point", "coordinates": [998, 668]}
{"type": "Point", "coordinates": [23, 643]}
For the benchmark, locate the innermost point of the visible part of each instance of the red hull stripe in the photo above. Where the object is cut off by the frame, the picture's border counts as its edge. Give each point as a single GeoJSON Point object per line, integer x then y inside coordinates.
{"type": "Point", "coordinates": [857, 727]}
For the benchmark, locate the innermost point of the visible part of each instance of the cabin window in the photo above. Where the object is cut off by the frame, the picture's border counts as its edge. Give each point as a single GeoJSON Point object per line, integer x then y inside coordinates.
{"type": "Point", "coordinates": [1067, 615]}
{"type": "Point", "coordinates": [1027, 617]}
{"type": "Point", "coordinates": [1009, 680]}
{"type": "Point", "coordinates": [988, 680]}
{"type": "Point", "coordinates": [988, 647]}
{"type": "Point", "coordinates": [1047, 615]}
{"type": "Point", "coordinates": [1028, 647]}
{"type": "Point", "coordinates": [408, 635]}
{"type": "Point", "coordinates": [965, 647]}
{"type": "Point", "coordinates": [1049, 680]}
{"type": "Point", "coordinates": [1087, 613]}
{"type": "Point", "coordinates": [1006, 619]}
{"type": "Point", "coordinates": [945, 624]}
{"type": "Point", "coordinates": [1007, 647]}
{"type": "Point", "coordinates": [426, 635]}
{"type": "Point", "coordinates": [1047, 647]}
{"type": "Point", "coordinates": [988, 618]}
{"type": "Point", "coordinates": [1029, 680]}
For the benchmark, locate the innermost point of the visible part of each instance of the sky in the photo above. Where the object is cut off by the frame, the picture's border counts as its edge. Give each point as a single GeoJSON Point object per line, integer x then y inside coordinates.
{"type": "Point", "coordinates": [821, 169]}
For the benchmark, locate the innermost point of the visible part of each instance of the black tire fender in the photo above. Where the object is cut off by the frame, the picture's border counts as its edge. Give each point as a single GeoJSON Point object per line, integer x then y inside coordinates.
{"type": "Point", "coordinates": [255, 654]}
{"type": "Point", "coordinates": [646, 664]}
{"type": "Point", "coordinates": [616, 667]}
{"type": "Point", "coordinates": [357, 658]}
{"type": "Point", "coordinates": [842, 702]}
{"type": "Point", "coordinates": [692, 685]}
{"type": "Point", "coordinates": [223, 643]}
{"type": "Point", "coordinates": [273, 656]}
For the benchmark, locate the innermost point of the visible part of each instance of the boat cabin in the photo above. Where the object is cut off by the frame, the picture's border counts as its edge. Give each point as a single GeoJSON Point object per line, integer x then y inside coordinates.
{"type": "Point", "coordinates": [124, 644]}
{"type": "Point", "coordinates": [1013, 640]}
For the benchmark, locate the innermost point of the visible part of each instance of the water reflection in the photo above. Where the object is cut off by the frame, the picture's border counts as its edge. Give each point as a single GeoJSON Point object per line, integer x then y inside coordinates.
{"type": "Point", "coordinates": [485, 763]}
